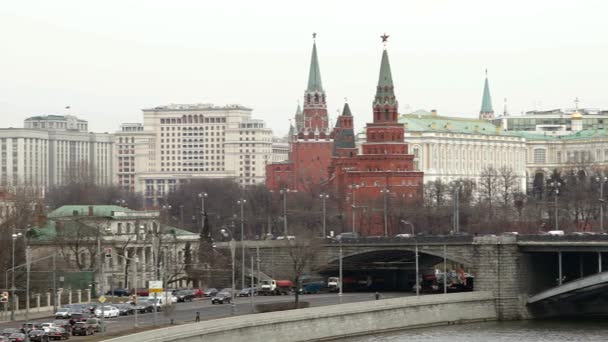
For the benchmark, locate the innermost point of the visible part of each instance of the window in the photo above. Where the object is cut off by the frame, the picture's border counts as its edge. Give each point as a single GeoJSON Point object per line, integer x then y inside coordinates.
{"type": "Point", "coordinates": [540, 156]}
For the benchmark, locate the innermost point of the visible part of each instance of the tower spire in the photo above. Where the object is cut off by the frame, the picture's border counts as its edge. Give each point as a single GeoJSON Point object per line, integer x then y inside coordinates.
{"type": "Point", "coordinates": [385, 103]}
{"type": "Point", "coordinates": [486, 112]}
{"type": "Point", "coordinates": [314, 74]}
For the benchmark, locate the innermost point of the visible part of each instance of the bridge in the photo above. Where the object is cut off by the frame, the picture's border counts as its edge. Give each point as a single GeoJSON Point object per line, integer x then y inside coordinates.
{"type": "Point", "coordinates": [530, 275]}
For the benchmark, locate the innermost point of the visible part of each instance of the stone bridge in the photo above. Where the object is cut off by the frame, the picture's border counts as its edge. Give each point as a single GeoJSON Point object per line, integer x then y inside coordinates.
{"type": "Point", "coordinates": [514, 268]}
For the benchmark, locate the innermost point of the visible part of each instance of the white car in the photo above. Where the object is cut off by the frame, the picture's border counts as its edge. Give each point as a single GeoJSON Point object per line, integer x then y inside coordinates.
{"type": "Point", "coordinates": [48, 326]}
{"type": "Point", "coordinates": [63, 313]}
{"type": "Point", "coordinates": [108, 312]}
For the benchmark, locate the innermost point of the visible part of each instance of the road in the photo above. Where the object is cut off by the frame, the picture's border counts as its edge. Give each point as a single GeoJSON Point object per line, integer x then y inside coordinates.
{"type": "Point", "coordinates": [186, 312]}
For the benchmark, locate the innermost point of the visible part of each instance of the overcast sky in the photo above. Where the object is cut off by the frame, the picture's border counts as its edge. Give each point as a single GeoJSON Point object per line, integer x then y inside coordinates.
{"type": "Point", "coordinates": [109, 59]}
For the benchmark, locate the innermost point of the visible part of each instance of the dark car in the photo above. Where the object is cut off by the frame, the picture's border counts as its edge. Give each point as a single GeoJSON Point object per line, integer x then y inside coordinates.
{"type": "Point", "coordinates": [248, 292]}
{"type": "Point", "coordinates": [59, 334]}
{"type": "Point", "coordinates": [184, 295]}
{"type": "Point", "coordinates": [30, 326]}
{"type": "Point", "coordinates": [82, 329]}
{"type": "Point", "coordinates": [92, 307]}
{"type": "Point", "coordinates": [39, 336]}
{"type": "Point", "coordinates": [222, 297]}
{"type": "Point", "coordinates": [16, 337]}
{"type": "Point", "coordinates": [6, 332]}
{"type": "Point", "coordinates": [210, 292]}
{"type": "Point", "coordinates": [81, 316]}
{"type": "Point", "coordinates": [95, 323]}
{"type": "Point", "coordinates": [125, 309]}
{"type": "Point", "coordinates": [142, 292]}
{"type": "Point", "coordinates": [118, 292]}
{"type": "Point", "coordinates": [143, 306]}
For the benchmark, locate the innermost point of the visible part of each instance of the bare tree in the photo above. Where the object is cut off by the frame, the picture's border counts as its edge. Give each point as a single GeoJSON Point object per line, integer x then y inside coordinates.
{"type": "Point", "coordinates": [303, 252]}
{"type": "Point", "coordinates": [488, 189]}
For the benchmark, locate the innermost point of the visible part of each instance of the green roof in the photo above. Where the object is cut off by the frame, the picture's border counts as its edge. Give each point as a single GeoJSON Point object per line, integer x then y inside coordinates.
{"type": "Point", "coordinates": [83, 210]}
{"type": "Point", "coordinates": [385, 78]}
{"type": "Point", "coordinates": [486, 101]}
{"type": "Point", "coordinates": [346, 110]}
{"type": "Point", "coordinates": [314, 74]}
{"type": "Point", "coordinates": [579, 135]}
{"type": "Point", "coordinates": [435, 123]}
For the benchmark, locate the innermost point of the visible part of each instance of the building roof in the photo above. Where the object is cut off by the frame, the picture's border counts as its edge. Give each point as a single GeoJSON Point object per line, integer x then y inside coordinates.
{"type": "Point", "coordinates": [385, 78]}
{"type": "Point", "coordinates": [314, 74]}
{"type": "Point", "coordinates": [486, 101]}
{"type": "Point", "coordinates": [579, 135]}
{"type": "Point", "coordinates": [83, 210]}
{"type": "Point", "coordinates": [51, 118]}
{"type": "Point", "coordinates": [432, 123]}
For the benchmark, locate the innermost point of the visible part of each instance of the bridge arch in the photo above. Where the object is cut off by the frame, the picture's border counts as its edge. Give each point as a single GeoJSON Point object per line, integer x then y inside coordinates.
{"type": "Point", "coordinates": [371, 252]}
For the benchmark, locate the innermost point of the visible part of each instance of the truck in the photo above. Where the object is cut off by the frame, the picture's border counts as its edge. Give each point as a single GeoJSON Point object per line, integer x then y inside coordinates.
{"type": "Point", "coordinates": [333, 283]}
{"type": "Point", "coordinates": [275, 287]}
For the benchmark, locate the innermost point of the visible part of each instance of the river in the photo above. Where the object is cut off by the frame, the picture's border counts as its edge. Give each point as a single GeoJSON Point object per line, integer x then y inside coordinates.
{"type": "Point", "coordinates": [584, 330]}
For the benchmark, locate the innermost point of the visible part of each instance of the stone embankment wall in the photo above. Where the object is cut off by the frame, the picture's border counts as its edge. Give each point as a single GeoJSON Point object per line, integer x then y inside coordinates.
{"type": "Point", "coordinates": [334, 321]}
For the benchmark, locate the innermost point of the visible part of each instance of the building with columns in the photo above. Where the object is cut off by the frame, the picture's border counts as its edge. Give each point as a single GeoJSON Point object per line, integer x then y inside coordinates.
{"type": "Point", "coordinates": [310, 141]}
{"type": "Point", "coordinates": [78, 233]}
{"type": "Point", "coordinates": [54, 150]}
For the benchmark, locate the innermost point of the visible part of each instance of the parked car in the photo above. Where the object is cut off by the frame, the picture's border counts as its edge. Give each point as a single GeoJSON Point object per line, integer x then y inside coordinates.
{"type": "Point", "coordinates": [63, 313]}
{"type": "Point", "coordinates": [210, 292]}
{"type": "Point", "coordinates": [6, 332]}
{"type": "Point", "coordinates": [248, 292]}
{"type": "Point", "coordinates": [59, 334]}
{"type": "Point", "coordinates": [64, 324]}
{"type": "Point", "coordinates": [143, 292]}
{"type": "Point", "coordinates": [142, 305]}
{"type": "Point", "coordinates": [95, 323]}
{"type": "Point", "coordinates": [184, 295]}
{"type": "Point", "coordinates": [82, 329]}
{"type": "Point", "coordinates": [198, 293]}
{"type": "Point", "coordinates": [17, 337]}
{"type": "Point", "coordinates": [118, 292]}
{"type": "Point", "coordinates": [108, 312]}
{"type": "Point", "coordinates": [38, 336]}
{"type": "Point", "coordinates": [222, 297]}
{"type": "Point", "coordinates": [125, 309]}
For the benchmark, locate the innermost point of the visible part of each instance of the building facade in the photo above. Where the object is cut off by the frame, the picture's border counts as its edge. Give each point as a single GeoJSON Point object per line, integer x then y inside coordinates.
{"type": "Point", "coordinates": [54, 150]}
{"type": "Point", "coordinates": [382, 171]}
{"type": "Point", "coordinates": [178, 143]}
{"type": "Point", "coordinates": [310, 141]}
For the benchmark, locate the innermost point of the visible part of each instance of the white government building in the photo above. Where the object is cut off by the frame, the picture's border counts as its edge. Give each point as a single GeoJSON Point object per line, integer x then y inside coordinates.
{"type": "Point", "coordinates": [53, 150]}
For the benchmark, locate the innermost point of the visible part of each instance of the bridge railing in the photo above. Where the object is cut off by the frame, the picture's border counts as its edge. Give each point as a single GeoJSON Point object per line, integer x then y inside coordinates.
{"type": "Point", "coordinates": [558, 238]}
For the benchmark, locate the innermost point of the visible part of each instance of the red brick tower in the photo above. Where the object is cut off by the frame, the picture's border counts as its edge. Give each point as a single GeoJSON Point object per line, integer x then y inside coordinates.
{"type": "Point", "coordinates": [384, 167]}
{"type": "Point", "coordinates": [311, 145]}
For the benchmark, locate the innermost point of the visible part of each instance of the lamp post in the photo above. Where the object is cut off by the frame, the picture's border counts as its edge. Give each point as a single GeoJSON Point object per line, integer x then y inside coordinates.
{"type": "Point", "coordinates": [385, 192]}
{"type": "Point", "coordinates": [202, 196]}
{"type": "Point", "coordinates": [15, 236]}
{"type": "Point", "coordinates": [411, 225]}
{"type": "Point", "coordinates": [135, 261]}
{"type": "Point", "coordinates": [242, 202]}
{"type": "Point", "coordinates": [353, 187]}
{"type": "Point", "coordinates": [456, 223]}
{"type": "Point", "coordinates": [602, 180]}
{"type": "Point", "coordinates": [340, 273]}
{"type": "Point", "coordinates": [556, 185]}
{"type": "Point", "coordinates": [324, 198]}
{"type": "Point", "coordinates": [284, 193]}
{"type": "Point", "coordinates": [225, 232]}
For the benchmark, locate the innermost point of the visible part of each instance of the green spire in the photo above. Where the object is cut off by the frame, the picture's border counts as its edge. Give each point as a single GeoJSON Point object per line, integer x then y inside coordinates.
{"type": "Point", "coordinates": [386, 78]}
{"type": "Point", "coordinates": [346, 110]}
{"type": "Point", "coordinates": [292, 130]}
{"type": "Point", "coordinates": [486, 102]}
{"type": "Point", "coordinates": [299, 109]}
{"type": "Point", "coordinates": [314, 75]}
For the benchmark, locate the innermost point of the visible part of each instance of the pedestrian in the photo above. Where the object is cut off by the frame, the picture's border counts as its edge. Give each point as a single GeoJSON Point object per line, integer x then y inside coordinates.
{"type": "Point", "coordinates": [198, 317]}
{"type": "Point", "coordinates": [72, 322]}
{"type": "Point", "coordinates": [377, 295]}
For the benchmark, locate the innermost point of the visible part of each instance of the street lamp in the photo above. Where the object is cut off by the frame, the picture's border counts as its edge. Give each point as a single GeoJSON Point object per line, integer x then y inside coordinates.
{"type": "Point", "coordinates": [284, 193]}
{"type": "Point", "coordinates": [202, 196]}
{"type": "Point", "coordinates": [15, 236]}
{"type": "Point", "coordinates": [556, 185]}
{"type": "Point", "coordinates": [411, 225]}
{"type": "Point", "coordinates": [456, 223]}
{"type": "Point", "coordinates": [226, 231]}
{"type": "Point", "coordinates": [242, 202]}
{"type": "Point", "coordinates": [135, 261]}
{"type": "Point", "coordinates": [385, 192]}
{"type": "Point", "coordinates": [340, 272]}
{"type": "Point", "coordinates": [602, 181]}
{"type": "Point", "coordinates": [324, 198]}
{"type": "Point", "coordinates": [353, 187]}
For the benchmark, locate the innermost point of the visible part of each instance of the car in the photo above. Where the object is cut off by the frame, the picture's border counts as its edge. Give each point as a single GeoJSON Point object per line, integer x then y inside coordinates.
{"type": "Point", "coordinates": [47, 326]}
{"type": "Point", "coordinates": [82, 329]}
{"type": "Point", "coordinates": [6, 332]}
{"type": "Point", "coordinates": [17, 337]}
{"type": "Point", "coordinates": [286, 237]}
{"type": "Point", "coordinates": [247, 292]}
{"type": "Point", "coordinates": [95, 323]}
{"type": "Point", "coordinates": [210, 292]}
{"type": "Point", "coordinates": [59, 334]}
{"type": "Point", "coordinates": [91, 307]}
{"type": "Point", "coordinates": [349, 235]}
{"type": "Point", "coordinates": [118, 292]}
{"type": "Point", "coordinates": [198, 293]}
{"type": "Point", "coordinates": [63, 313]}
{"type": "Point", "coordinates": [184, 295]}
{"type": "Point", "coordinates": [125, 309]}
{"type": "Point", "coordinates": [30, 326]}
{"type": "Point", "coordinates": [556, 232]}
{"type": "Point", "coordinates": [64, 324]}
{"type": "Point", "coordinates": [222, 297]}
{"type": "Point", "coordinates": [4, 338]}
{"type": "Point", "coordinates": [80, 316]}
{"type": "Point", "coordinates": [404, 235]}
{"type": "Point", "coordinates": [108, 312]}
{"type": "Point", "coordinates": [142, 305]}
{"type": "Point", "coordinates": [142, 292]}
{"type": "Point", "coordinates": [39, 336]}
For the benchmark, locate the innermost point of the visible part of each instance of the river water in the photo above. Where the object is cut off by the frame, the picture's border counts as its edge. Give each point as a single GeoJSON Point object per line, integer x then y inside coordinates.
{"type": "Point", "coordinates": [584, 330]}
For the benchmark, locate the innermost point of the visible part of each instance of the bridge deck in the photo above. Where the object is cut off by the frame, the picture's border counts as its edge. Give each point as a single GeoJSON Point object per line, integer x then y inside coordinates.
{"type": "Point", "coordinates": [570, 288]}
